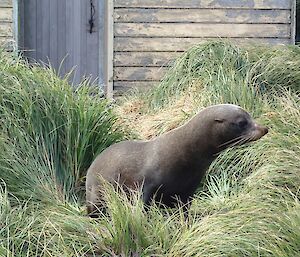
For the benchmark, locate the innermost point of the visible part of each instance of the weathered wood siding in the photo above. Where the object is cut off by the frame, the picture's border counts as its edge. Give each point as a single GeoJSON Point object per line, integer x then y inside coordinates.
{"type": "Point", "coordinates": [6, 24]}
{"type": "Point", "coordinates": [149, 34]}
{"type": "Point", "coordinates": [57, 32]}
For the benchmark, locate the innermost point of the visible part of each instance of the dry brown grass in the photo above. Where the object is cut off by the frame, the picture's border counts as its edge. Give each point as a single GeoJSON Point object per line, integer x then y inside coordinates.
{"type": "Point", "coordinates": [149, 124]}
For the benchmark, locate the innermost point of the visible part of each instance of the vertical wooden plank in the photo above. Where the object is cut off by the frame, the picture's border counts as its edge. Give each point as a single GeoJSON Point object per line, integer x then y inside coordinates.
{"type": "Point", "coordinates": [39, 28]}
{"type": "Point", "coordinates": [109, 48]}
{"type": "Point", "coordinates": [61, 35]}
{"type": "Point", "coordinates": [76, 40]}
{"type": "Point", "coordinates": [45, 10]}
{"type": "Point", "coordinates": [83, 39]}
{"type": "Point", "coordinates": [298, 22]}
{"type": "Point", "coordinates": [96, 42]}
{"type": "Point", "coordinates": [101, 41]}
{"type": "Point", "coordinates": [293, 21]}
{"type": "Point", "coordinates": [21, 25]}
{"type": "Point", "coordinates": [58, 29]}
{"type": "Point", "coordinates": [16, 23]}
{"type": "Point", "coordinates": [69, 37]}
{"type": "Point", "coordinates": [92, 57]}
{"type": "Point", "coordinates": [53, 27]}
{"type": "Point", "coordinates": [30, 28]}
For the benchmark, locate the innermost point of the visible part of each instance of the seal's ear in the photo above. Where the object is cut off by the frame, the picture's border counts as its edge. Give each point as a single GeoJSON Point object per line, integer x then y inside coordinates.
{"type": "Point", "coordinates": [219, 120]}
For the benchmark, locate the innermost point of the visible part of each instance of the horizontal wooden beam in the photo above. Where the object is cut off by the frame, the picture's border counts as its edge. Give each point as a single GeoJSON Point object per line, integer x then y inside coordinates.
{"type": "Point", "coordinates": [6, 14]}
{"type": "Point", "coordinates": [7, 43]}
{"type": "Point", "coordinates": [152, 59]}
{"type": "Point", "coordinates": [6, 3]}
{"type": "Point", "coordinates": [139, 73]}
{"type": "Point", "coordinates": [201, 30]}
{"type": "Point", "coordinates": [201, 15]}
{"type": "Point", "coordinates": [180, 44]}
{"type": "Point", "coordinates": [241, 4]}
{"type": "Point", "coordinates": [6, 29]}
{"type": "Point", "coordinates": [123, 86]}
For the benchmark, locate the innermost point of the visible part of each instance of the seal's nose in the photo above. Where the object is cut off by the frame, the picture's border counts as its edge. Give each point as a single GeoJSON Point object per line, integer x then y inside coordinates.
{"type": "Point", "coordinates": [263, 130]}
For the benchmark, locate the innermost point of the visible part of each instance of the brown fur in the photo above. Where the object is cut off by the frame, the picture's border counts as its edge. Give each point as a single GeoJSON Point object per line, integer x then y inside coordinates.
{"type": "Point", "coordinates": [173, 164]}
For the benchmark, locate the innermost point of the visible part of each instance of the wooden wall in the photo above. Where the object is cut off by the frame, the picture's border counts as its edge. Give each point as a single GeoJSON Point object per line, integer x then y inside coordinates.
{"type": "Point", "coordinates": [149, 34]}
{"type": "Point", "coordinates": [6, 24]}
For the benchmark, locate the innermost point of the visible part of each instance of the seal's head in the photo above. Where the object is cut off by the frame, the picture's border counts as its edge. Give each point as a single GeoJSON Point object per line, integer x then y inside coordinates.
{"type": "Point", "coordinates": [231, 125]}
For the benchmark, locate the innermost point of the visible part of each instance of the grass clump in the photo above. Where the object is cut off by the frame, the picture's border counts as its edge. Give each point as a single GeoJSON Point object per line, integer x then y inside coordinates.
{"type": "Point", "coordinates": [49, 135]}
{"type": "Point", "coordinates": [229, 73]}
{"type": "Point", "coordinates": [52, 130]}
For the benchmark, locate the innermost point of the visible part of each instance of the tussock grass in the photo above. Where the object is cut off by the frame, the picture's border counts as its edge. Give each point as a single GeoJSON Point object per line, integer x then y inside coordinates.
{"type": "Point", "coordinates": [229, 73]}
{"type": "Point", "coordinates": [53, 131]}
{"type": "Point", "coordinates": [248, 204]}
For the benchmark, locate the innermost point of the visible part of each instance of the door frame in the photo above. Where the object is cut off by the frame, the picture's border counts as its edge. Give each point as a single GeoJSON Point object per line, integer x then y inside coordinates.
{"type": "Point", "coordinates": [108, 51]}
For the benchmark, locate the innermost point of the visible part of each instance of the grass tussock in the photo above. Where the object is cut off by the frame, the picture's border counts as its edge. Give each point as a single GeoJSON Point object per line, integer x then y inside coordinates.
{"type": "Point", "coordinates": [248, 204]}
{"type": "Point", "coordinates": [51, 132]}
{"type": "Point", "coordinates": [230, 73]}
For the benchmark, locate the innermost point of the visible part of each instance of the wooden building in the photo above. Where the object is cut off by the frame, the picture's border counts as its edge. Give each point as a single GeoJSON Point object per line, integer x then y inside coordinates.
{"type": "Point", "coordinates": [7, 31]}
{"type": "Point", "coordinates": [130, 43]}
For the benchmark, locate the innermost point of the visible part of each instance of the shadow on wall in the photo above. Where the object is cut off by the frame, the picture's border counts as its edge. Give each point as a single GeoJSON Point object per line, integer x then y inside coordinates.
{"type": "Point", "coordinates": [298, 22]}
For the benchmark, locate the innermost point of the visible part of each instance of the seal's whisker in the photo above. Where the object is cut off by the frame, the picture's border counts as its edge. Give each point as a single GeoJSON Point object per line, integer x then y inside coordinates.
{"type": "Point", "coordinates": [239, 142]}
{"type": "Point", "coordinates": [232, 140]}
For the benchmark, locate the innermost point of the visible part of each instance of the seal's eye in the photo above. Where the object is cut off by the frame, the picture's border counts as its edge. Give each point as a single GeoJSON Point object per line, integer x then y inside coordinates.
{"type": "Point", "coordinates": [218, 120]}
{"type": "Point", "coordinates": [242, 124]}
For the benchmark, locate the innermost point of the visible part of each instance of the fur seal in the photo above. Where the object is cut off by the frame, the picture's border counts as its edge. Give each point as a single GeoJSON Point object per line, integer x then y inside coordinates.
{"type": "Point", "coordinates": [172, 165]}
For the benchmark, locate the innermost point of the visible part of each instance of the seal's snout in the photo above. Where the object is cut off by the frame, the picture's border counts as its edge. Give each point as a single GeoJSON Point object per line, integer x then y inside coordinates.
{"type": "Point", "coordinates": [262, 129]}
{"type": "Point", "coordinates": [265, 130]}
{"type": "Point", "coordinates": [259, 131]}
